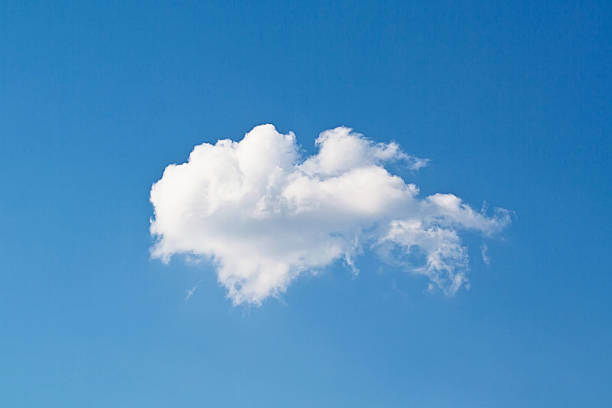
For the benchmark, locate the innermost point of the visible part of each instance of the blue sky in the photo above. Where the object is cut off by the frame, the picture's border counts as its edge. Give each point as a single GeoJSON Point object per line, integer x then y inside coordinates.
{"type": "Point", "coordinates": [511, 104]}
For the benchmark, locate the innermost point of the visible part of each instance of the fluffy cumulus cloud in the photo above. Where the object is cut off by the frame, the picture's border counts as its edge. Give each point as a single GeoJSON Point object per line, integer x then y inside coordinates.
{"type": "Point", "coordinates": [264, 215]}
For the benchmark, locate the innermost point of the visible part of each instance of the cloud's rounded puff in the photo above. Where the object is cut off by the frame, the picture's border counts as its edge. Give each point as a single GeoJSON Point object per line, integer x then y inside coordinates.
{"type": "Point", "coordinates": [264, 216]}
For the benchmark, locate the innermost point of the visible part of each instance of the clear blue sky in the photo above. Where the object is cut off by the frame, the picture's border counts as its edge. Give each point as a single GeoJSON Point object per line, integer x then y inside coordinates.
{"type": "Point", "coordinates": [511, 102]}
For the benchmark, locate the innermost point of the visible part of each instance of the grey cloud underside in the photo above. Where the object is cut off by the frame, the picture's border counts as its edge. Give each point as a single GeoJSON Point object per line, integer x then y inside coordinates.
{"type": "Point", "coordinates": [265, 216]}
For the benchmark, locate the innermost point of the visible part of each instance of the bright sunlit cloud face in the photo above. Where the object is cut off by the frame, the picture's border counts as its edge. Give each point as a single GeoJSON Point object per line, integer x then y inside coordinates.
{"type": "Point", "coordinates": [264, 215]}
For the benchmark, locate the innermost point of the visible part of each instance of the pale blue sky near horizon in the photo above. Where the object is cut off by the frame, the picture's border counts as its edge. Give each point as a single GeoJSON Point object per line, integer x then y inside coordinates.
{"type": "Point", "coordinates": [512, 103]}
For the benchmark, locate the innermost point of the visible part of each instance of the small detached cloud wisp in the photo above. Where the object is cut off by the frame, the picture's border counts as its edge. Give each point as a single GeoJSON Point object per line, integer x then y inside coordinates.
{"type": "Point", "coordinates": [264, 215]}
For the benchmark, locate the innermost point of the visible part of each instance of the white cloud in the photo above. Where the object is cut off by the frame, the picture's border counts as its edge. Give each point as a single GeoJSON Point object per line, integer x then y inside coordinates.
{"type": "Point", "coordinates": [484, 253]}
{"type": "Point", "coordinates": [265, 216]}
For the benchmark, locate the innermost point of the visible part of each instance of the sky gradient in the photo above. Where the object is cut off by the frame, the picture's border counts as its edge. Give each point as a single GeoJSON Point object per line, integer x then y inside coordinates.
{"type": "Point", "coordinates": [511, 103]}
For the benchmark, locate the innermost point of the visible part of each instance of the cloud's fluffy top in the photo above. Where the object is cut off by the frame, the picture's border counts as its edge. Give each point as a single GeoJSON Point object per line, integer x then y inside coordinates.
{"type": "Point", "coordinates": [264, 216]}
